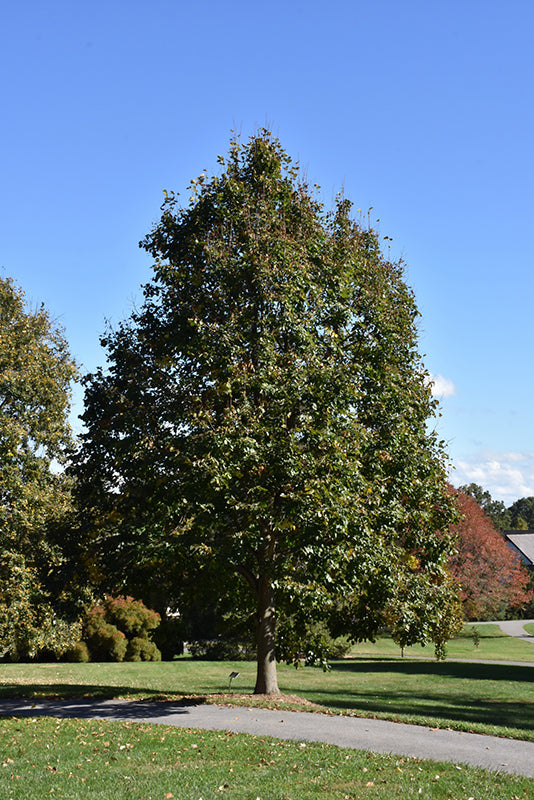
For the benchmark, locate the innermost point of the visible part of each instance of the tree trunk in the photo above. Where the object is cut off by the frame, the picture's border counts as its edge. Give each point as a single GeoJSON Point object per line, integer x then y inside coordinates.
{"type": "Point", "coordinates": [266, 680]}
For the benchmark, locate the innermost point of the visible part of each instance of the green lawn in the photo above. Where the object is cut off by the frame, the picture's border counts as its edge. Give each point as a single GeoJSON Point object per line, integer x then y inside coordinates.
{"type": "Point", "coordinates": [487, 698]}
{"type": "Point", "coordinates": [529, 627]}
{"type": "Point", "coordinates": [494, 645]}
{"type": "Point", "coordinates": [93, 760]}
{"type": "Point", "coordinates": [114, 760]}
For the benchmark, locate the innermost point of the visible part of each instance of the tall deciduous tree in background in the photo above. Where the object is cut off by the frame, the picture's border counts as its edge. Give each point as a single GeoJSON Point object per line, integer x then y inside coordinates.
{"type": "Point", "coordinates": [266, 409]}
{"type": "Point", "coordinates": [35, 374]}
{"type": "Point", "coordinates": [522, 514]}
{"type": "Point", "coordinates": [500, 516]}
{"type": "Point", "coordinates": [518, 516]}
{"type": "Point", "coordinates": [492, 578]}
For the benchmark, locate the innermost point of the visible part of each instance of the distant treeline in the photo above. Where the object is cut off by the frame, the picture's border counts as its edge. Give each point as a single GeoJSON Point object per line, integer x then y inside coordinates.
{"type": "Point", "coordinates": [518, 516]}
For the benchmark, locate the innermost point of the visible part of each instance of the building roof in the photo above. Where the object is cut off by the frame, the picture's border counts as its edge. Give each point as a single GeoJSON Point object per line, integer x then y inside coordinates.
{"type": "Point", "coordinates": [523, 542]}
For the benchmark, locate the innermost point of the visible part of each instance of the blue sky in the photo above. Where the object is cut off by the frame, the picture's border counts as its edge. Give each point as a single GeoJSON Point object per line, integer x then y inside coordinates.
{"type": "Point", "coordinates": [422, 111]}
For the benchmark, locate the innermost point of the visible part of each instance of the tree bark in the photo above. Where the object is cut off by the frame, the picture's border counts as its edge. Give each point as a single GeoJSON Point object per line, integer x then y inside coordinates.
{"type": "Point", "coordinates": [266, 680]}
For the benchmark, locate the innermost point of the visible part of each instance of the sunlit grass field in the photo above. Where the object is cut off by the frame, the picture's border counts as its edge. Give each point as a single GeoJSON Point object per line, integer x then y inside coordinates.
{"type": "Point", "coordinates": [112, 760]}
{"type": "Point", "coordinates": [486, 698]}
{"type": "Point", "coordinates": [94, 760]}
{"type": "Point", "coordinates": [493, 645]}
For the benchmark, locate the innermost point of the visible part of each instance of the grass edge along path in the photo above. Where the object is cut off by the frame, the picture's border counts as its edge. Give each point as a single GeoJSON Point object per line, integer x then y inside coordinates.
{"type": "Point", "coordinates": [484, 698]}
{"type": "Point", "coordinates": [94, 760]}
{"type": "Point", "coordinates": [492, 699]}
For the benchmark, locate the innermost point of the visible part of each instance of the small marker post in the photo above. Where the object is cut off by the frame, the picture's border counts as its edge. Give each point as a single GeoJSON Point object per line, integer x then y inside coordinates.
{"type": "Point", "coordinates": [232, 676]}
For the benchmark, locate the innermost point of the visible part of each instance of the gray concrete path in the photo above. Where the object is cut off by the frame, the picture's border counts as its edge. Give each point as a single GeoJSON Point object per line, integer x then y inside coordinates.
{"type": "Point", "coordinates": [514, 627]}
{"type": "Point", "coordinates": [502, 755]}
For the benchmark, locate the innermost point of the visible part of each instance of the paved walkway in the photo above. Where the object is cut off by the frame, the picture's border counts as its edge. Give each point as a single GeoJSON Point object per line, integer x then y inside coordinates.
{"type": "Point", "coordinates": [514, 627]}
{"type": "Point", "coordinates": [490, 752]}
{"type": "Point", "coordinates": [503, 755]}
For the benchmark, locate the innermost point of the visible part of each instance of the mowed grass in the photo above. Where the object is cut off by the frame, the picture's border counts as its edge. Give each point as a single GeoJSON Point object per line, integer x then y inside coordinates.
{"type": "Point", "coordinates": [493, 645]}
{"type": "Point", "coordinates": [494, 699]}
{"type": "Point", "coordinates": [111, 760]}
{"type": "Point", "coordinates": [94, 760]}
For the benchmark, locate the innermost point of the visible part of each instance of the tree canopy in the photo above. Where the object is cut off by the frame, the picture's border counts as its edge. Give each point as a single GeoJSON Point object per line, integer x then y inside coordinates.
{"type": "Point", "coordinates": [519, 515]}
{"type": "Point", "coordinates": [494, 509]}
{"type": "Point", "coordinates": [265, 412]}
{"type": "Point", "coordinates": [522, 514]}
{"type": "Point", "coordinates": [35, 374]}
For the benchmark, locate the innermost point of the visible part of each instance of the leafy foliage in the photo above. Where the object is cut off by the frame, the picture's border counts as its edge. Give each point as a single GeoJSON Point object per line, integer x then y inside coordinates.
{"type": "Point", "coordinates": [119, 629]}
{"type": "Point", "coordinates": [522, 514]}
{"type": "Point", "coordinates": [78, 653]}
{"type": "Point", "coordinates": [35, 374]}
{"type": "Point", "coordinates": [309, 643]}
{"type": "Point", "coordinates": [500, 516]}
{"type": "Point", "coordinates": [142, 649]}
{"type": "Point", "coordinates": [130, 616]}
{"type": "Point", "coordinates": [492, 579]}
{"type": "Point", "coordinates": [265, 412]}
{"type": "Point", "coordinates": [517, 516]}
{"type": "Point", "coordinates": [423, 610]}
{"type": "Point", "coordinates": [29, 624]}
{"type": "Point", "coordinates": [104, 641]}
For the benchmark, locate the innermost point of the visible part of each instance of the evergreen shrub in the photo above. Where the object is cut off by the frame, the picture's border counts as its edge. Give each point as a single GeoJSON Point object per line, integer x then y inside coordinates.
{"type": "Point", "coordinates": [140, 649]}
{"type": "Point", "coordinates": [117, 629]}
{"type": "Point", "coordinates": [78, 653]}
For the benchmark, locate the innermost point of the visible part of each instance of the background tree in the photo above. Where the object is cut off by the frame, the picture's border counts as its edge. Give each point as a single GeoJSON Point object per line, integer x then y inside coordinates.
{"type": "Point", "coordinates": [35, 374]}
{"type": "Point", "coordinates": [265, 412]}
{"type": "Point", "coordinates": [494, 509]}
{"type": "Point", "coordinates": [518, 516]}
{"type": "Point", "coordinates": [494, 583]}
{"type": "Point", "coordinates": [522, 514]}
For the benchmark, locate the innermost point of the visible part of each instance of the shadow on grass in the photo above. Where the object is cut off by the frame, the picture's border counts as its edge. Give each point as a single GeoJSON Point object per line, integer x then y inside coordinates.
{"type": "Point", "coordinates": [470, 670]}
{"type": "Point", "coordinates": [435, 706]}
{"type": "Point", "coordinates": [404, 689]}
{"type": "Point", "coordinates": [437, 700]}
{"type": "Point", "coordinates": [92, 702]}
{"type": "Point", "coordinates": [38, 691]}
{"type": "Point", "coordinates": [65, 692]}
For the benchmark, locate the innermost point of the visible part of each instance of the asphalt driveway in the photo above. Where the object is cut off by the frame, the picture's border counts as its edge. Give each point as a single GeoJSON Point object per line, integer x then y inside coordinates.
{"type": "Point", "coordinates": [502, 755]}
{"type": "Point", "coordinates": [489, 752]}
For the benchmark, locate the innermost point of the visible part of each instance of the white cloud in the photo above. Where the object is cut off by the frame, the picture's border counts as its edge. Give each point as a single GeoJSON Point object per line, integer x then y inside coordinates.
{"type": "Point", "coordinates": [507, 476]}
{"type": "Point", "coordinates": [441, 387]}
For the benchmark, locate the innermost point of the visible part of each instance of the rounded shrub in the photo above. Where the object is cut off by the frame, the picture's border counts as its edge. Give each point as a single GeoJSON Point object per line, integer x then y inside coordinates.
{"type": "Point", "coordinates": [131, 616]}
{"type": "Point", "coordinates": [77, 654]}
{"type": "Point", "coordinates": [105, 641]}
{"type": "Point", "coordinates": [140, 649]}
{"type": "Point", "coordinates": [118, 629]}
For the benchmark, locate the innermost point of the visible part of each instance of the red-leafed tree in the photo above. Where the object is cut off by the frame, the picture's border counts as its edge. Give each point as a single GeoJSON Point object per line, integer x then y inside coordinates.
{"type": "Point", "coordinates": [491, 576]}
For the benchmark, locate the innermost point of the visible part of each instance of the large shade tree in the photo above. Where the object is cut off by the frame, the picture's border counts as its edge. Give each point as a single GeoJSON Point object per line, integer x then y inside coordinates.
{"type": "Point", "coordinates": [266, 411]}
{"type": "Point", "coordinates": [36, 370]}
